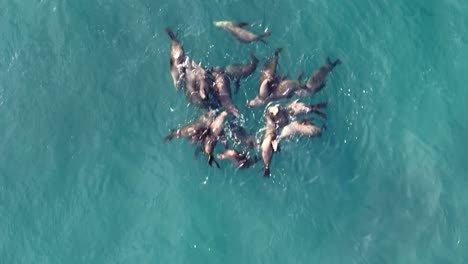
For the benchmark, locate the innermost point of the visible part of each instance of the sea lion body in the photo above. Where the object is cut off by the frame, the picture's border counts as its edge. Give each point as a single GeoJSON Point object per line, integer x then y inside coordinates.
{"type": "Point", "coordinates": [241, 71]}
{"type": "Point", "coordinates": [317, 81]}
{"type": "Point", "coordinates": [192, 90]}
{"type": "Point", "coordinates": [300, 127]}
{"type": "Point", "coordinates": [177, 60]}
{"type": "Point", "coordinates": [296, 108]}
{"type": "Point", "coordinates": [240, 159]}
{"type": "Point", "coordinates": [223, 93]}
{"type": "Point", "coordinates": [204, 83]}
{"type": "Point", "coordinates": [194, 130]}
{"type": "Point", "coordinates": [269, 68]}
{"type": "Point", "coordinates": [214, 132]}
{"type": "Point", "coordinates": [268, 80]}
{"type": "Point", "coordinates": [238, 31]}
{"type": "Point", "coordinates": [285, 89]}
{"type": "Point", "coordinates": [266, 146]}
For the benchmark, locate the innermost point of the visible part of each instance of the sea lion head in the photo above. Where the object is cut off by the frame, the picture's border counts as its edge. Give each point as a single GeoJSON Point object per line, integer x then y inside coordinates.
{"type": "Point", "coordinates": [273, 110]}
{"type": "Point", "coordinates": [221, 24]}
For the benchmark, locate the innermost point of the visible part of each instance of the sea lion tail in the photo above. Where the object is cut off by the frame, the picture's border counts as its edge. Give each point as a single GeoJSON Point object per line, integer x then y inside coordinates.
{"type": "Point", "coordinates": [320, 113]}
{"type": "Point", "coordinates": [169, 137]}
{"type": "Point", "coordinates": [337, 62]}
{"type": "Point", "coordinates": [253, 58]}
{"type": "Point", "coordinates": [171, 34]}
{"type": "Point", "coordinates": [266, 171]}
{"type": "Point", "coordinates": [275, 144]}
{"type": "Point", "coordinates": [277, 51]}
{"type": "Point", "coordinates": [333, 64]}
{"type": "Point", "coordinates": [210, 161]}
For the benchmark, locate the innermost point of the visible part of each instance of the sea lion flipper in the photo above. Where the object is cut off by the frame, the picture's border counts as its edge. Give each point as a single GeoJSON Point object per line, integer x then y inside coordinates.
{"type": "Point", "coordinates": [306, 120]}
{"type": "Point", "coordinates": [236, 85]}
{"type": "Point", "coordinates": [210, 161]}
{"type": "Point", "coordinates": [242, 24]}
{"type": "Point", "coordinates": [171, 34]}
{"type": "Point", "coordinates": [275, 145]}
{"type": "Point", "coordinates": [299, 78]}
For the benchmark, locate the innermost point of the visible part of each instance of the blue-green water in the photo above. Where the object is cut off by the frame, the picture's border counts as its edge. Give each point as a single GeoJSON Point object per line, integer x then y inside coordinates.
{"type": "Point", "coordinates": [86, 98]}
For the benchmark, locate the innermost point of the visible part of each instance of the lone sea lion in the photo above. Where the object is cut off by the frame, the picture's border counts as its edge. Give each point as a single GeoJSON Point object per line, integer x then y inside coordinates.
{"type": "Point", "coordinates": [316, 82]}
{"type": "Point", "coordinates": [238, 31]}
{"type": "Point", "coordinates": [241, 160]}
{"type": "Point", "coordinates": [177, 59]}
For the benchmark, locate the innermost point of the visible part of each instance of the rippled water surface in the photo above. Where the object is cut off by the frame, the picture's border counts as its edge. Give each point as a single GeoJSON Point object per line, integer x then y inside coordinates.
{"type": "Point", "coordinates": [86, 99]}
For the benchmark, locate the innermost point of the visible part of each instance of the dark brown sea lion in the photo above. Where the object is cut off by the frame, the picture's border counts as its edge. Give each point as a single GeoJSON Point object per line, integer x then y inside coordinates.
{"type": "Point", "coordinates": [214, 132]}
{"type": "Point", "coordinates": [303, 127]}
{"type": "Point", "coordinates": [241, 160]}
{"type": "Point", "coordinates": [177, 60]}
{"type": "Point", "coordinates": [194, 130]}
{"type": "Point", "coordinates": [238, 31]}
{"type": "Point", "coordinates": [266, 146]}
{"type": "Point", "coordinates": [317, 81]}
{"type": "Point", "coordinates": [241, 136]}
{"type": "Point", "coordinates": [223, 93]}
{"type": "Point", "coordinates": [238, 71]}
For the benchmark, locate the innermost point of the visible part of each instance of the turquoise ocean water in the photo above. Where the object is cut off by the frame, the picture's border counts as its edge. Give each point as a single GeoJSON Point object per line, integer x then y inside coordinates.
{"type": "Point", "coordinates": [86, 98]}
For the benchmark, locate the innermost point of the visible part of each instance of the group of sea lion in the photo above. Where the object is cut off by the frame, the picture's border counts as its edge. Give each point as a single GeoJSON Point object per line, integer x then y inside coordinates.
{"type": "Point", "coordinates": [210, 89]}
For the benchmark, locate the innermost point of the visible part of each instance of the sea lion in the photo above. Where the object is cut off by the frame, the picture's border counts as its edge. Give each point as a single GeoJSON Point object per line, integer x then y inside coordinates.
{"type": "Point", "coordinates": [238, 71]}
{"type": "Point", "coordinates": [241, 160]}
{"type": "Point", "coordinates": [194, 130]}
{"type": "Point", "coordinates": [285, 89]}
{"type": "Point", "coordinates": [268, 80]}
{"type": "Point", "coordinates": [223, 93]}
{"type": "Point", "coordinates": [177, 60]}
{"type": "Point", "coordinates": [214, 132]}
{"type": "Point", "coordinates": [262, 95]}
{"type": "Point", "coordinates": [192, 89]}
{"type": "Point", "coordinates": [238, 31]}
{"type": "Point", "coordinates": [266, 146]}
{"type": "Point", "coordinates": [269, 68]}
{"type": "Point", "coordinates": [241, 136]}
{"type": "Point", "coordinates": [303, 127]}
{"type": "Point", "coordinates": [204, 82]}
{"type": "Point", "coordinates": [316, 82]}
{"type": "Point", "coordinates": [296, 108]}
